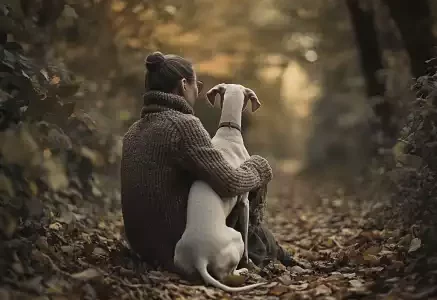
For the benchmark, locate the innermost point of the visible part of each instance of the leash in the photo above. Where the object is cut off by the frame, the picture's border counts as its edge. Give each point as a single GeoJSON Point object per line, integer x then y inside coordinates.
{"type": "Point", "coordinates": [230, 125]}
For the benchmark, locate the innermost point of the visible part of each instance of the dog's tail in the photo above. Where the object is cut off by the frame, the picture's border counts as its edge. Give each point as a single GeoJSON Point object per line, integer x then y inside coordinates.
{"type": "Point", "coordinates": [203, 271]}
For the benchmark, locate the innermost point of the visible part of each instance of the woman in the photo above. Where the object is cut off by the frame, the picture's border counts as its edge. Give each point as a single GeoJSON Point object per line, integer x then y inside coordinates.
{"type": "Point", "coordinates": [164, 152]}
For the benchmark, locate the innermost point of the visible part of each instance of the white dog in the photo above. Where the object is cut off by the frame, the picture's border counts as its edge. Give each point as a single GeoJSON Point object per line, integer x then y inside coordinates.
{"type": "Point", "coordinates": [207, 244]}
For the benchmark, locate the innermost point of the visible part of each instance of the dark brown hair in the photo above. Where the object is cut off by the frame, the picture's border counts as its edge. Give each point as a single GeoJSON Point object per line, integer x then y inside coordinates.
{"type": "Point", "coordinates": [165, 71]}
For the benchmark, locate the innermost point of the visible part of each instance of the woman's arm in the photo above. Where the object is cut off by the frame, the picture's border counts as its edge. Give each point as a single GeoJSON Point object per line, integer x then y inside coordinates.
{"type": "Point", "coordinates": [198, 155]}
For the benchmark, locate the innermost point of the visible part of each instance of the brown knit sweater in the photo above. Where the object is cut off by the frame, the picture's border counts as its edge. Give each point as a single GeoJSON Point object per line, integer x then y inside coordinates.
{"type": "Point", "coordinates": [163, 153]}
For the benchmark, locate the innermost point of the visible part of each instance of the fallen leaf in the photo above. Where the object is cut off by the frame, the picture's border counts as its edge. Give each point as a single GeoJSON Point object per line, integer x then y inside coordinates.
{"type": "Point", "coordinates": [270, 285]}
{"type": "Point", "coordinates": [285, 279]}
{"type": "Point", "coordinates": [299, 287]}
{"type": "Point", "coordinates": [355, 283]}
{"type": "Point", "coordinates": [371, 259]}
{"type": "Point", "coordinates": [99, 251]}
{"type": "Point", "coordinates": [349, 275]}
{"type": "Point", "coordinates": [68, 249]}
{"type": "Point", "coordinates": [18, 267]}
{"type": "Point", "coordinates": [392, 280]}
{"type": "Point", "coordinates": [396, 264]}
{"type": "Point", "coordinates": [279, 290]}
{"type": "Point", "coordinates": [306, 243]}
{"type": "Point", "coordinates": [67, 216]}
{"type": "Point", "coordinates": [55, 79]}
{"type": "Point", "coordinates": [373, 250]}
{"type": "Point", "coordinates": [414, 245]}
{"type": "Point", "coordinates": [70, 12]}
{"type": "Point", "coordinates": [87, 274]}
{"type": "Point", "coordinates": [329, 243]}
{"type": "Point", "coordinates": [55, 226]}
{"type": "Point", "coordinates": [322, 290]}
{"type": "Point", "coordinates": [298, 270]}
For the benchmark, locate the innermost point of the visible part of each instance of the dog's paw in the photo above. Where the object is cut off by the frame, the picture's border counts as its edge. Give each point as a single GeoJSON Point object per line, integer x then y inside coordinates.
{"type": "Point", "coordinates": [241, 271]}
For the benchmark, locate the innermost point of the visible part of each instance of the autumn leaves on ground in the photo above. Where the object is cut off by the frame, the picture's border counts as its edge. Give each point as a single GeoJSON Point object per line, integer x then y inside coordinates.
{"type": "Point", "coordinates": [77, 251]}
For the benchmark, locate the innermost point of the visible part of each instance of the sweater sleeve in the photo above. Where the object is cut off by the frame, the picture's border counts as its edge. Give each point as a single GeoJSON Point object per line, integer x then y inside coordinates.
{"type": "Point", "coordinates": [207, 163]}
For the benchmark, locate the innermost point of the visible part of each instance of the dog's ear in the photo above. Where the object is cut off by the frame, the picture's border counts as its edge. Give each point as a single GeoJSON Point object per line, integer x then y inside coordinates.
{"type": "Point", "coordinates": [256, 104]}
{"type": "Point", "coordinates": [212, 93]}
{"type": "Point", "coordinates": [210, 96]}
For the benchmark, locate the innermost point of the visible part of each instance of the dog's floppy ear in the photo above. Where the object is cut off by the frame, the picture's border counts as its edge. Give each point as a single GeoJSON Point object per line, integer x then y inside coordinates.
{"type": "Point", "coordinates": [212, 93]}
{"type": "Point", "coordinates": [256, 104]}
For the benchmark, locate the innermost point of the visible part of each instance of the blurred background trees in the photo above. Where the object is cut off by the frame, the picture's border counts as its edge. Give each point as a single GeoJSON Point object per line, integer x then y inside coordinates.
{"type": "Point", "coordinates": [300, 58]}
{"type": "Point", "coordinates": [362, 53]}
{"type": "Point", "coordinates": [333, 76]}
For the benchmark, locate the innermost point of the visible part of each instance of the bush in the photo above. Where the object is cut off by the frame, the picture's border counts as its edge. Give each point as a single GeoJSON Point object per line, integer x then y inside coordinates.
{"type": "Point", "coordinates": [414, 203]}
{"type": "Point", "coordinates": [46, 147]}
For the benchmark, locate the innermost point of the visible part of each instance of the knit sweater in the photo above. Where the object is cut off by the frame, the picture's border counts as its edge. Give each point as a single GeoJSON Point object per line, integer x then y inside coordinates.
{"type": "Point", "coordinates": [163, 154]}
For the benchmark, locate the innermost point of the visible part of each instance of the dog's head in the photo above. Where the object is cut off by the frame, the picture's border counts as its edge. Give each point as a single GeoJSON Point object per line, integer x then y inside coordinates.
{"type": "Point", "coordinates": [220, 89]}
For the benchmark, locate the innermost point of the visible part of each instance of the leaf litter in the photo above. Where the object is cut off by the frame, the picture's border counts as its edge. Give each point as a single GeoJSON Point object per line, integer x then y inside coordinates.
{"type": "Point", "coordinates": [82, 254]}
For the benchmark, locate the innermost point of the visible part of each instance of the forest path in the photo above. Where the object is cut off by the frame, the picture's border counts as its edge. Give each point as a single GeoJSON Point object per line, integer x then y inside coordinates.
{"type": "Point", "coordinates": [81, 254]}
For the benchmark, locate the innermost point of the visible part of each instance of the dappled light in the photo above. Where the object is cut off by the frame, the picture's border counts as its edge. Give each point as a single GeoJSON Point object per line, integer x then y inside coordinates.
{"type": "Point", "coordinates": [347, 124]}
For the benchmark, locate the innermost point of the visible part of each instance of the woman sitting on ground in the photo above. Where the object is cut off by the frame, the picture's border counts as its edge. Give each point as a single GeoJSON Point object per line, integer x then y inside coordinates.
{"type": "Point", "coordinates": [164, 152]}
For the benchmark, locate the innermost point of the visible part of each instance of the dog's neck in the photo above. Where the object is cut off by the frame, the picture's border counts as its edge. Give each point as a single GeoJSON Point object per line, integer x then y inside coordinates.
{"type": "Point", "coordinates": [232, 110]}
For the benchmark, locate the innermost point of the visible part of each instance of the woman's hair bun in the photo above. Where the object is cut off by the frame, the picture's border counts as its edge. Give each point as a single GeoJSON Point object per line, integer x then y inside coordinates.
{"type": "Point", "coordinates": [154, 61]}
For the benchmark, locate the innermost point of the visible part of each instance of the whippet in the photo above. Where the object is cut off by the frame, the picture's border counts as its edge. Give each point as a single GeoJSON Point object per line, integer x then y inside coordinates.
{"type": "Point", "coordinates": [207, 244]}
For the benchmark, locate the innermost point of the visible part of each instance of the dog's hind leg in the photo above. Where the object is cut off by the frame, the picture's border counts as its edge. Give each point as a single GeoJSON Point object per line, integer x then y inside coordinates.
{"type": "Point", "coordinates": [238, 272]}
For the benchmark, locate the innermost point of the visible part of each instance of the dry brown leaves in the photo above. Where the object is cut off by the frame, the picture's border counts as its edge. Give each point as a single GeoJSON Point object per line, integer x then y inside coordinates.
{"type": "Point", "coordinates": [81, 254]}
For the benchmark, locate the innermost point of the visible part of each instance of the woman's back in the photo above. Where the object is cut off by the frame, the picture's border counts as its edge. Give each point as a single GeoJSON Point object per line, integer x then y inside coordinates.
{"type": "Point", "coordinates": [154, 191]}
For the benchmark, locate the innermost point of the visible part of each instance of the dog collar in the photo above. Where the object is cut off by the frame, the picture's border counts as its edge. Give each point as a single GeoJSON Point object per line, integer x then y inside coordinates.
{"type": "Point", "coordinates": [230, 125]}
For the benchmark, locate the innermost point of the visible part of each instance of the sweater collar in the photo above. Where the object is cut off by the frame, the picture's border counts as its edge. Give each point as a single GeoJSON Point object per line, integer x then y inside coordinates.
{"type": "Point", "coordinates": [156, 101]}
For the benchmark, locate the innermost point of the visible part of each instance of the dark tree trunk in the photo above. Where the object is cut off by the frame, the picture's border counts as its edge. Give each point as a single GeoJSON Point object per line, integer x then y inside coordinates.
{"type": "Point", "coordinates": [413, 18]}
{"type": "Point", "coordinates": [368, 46]}
{"type": "Point", "coordinates": [366, 37]}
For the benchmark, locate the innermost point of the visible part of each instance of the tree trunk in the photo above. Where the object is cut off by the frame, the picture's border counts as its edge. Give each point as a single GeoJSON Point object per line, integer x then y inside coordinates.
{"type": "Point", "coordinates": [368, 46]}
{"type": "Point", "coordinates": [413, 18]}
{"type": "Point", "coordinates": [362, 19]}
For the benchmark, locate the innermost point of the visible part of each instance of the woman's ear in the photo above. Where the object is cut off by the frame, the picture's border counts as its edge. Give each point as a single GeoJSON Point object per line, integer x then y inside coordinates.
{"type": "Point", "coordinates": [184, 83]}
{"type": "Point", "coordinates": [181, 87]}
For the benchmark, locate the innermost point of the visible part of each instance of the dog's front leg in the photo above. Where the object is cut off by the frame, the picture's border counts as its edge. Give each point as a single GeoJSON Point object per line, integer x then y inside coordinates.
{"type": "Point", "coordinates": [244, 223]}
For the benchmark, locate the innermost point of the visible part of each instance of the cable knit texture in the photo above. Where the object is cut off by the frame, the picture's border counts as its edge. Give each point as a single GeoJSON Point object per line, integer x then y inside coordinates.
{"type": "Point", "coordinates": [163, 153]}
